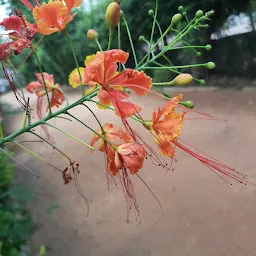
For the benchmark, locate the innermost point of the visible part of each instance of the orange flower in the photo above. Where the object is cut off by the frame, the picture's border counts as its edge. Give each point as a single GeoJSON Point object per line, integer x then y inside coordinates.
{"type": "Point", "coordinates": [37, 87]}
{"type": "Point", "coordinates": [128, 155]}
{"type": "Point", "coordinates": [113, 134]}
{"type": "Point", "coordinates": [103, 71]}
{"type": "Point", "coordinates": [166, 126]}
{"type": "Point", "coordinates": [53, 16]}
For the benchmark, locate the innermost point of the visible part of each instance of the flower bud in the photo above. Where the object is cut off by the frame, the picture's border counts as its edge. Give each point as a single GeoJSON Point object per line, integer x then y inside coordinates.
{"type": "Point", "coordinates": [199, 13]}
{"type": "Point", "coordinates": [201, 82]}
{"type": "Point", "coordinates": [208, 47]}
{"type": "Point", "coordinates": [141, 38]}
{"type": "Point", "coordinates": [180, 9]}
{"type": "Point", "coordinates": [183, 79]}
{"type": "Point", "coordinates": [210, 65]}
{"type": "Point", "coordinates": [198, 54]}
{"type": "Point", "coordinates": [113, 14]}
{"type": "Point", "coordinates": [187, 104]}
{"type": "Point", "coordinates": [92, 34]}
{"type": "Point", "coordinates": [176, 19]}
{"type": "Point", "coordinates": [151, 12]}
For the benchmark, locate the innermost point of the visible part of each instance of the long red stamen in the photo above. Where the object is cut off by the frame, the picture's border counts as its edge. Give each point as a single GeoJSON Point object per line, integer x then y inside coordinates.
{"type": "Point", "coordinates": [214, 165]}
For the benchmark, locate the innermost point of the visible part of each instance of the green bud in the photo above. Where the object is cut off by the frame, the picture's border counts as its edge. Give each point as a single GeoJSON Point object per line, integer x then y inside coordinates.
{"type": "Point", "coordinates": [208, 47]}
{"type": "Point", "coordinates": [121, 13]}
{"type": "Point", "coordinates": [201, 82]}
{"type": "Point", "coordinates": [176, 19]}
{"type": "Point", "coordinates": [198, 54]}
{"type": "Point", "coordinates": [210, 65]}
{"type": "Point", "coordinates": [183, 79]}
{"type": "Point", "coordinates": [184, 13]}
{"type": "Point", "coordinates": [199, 13]}
{"type": "Point", "coordinates": [188, 104]}
{"type": "Point", "coordinates": [141, 38]}
{"type": "Point", "coordinates": [151, 12]}
{"type": "Point", "coordinates": [180, 9]}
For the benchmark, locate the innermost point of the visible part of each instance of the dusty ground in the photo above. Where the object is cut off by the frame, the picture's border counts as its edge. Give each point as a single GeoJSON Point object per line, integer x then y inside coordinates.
{"type": "Point", "coordinates": [201, 215]}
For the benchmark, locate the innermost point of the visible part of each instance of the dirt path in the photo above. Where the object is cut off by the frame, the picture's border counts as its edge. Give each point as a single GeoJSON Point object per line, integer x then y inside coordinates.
{"type": "Point", "coordinates": [201, 216]}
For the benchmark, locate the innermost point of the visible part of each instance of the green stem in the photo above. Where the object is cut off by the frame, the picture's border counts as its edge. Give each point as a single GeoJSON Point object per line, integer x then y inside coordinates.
{"type": "Point", "coordinates": [153, 29]}
{"type": "Point", "coordinates": [130, 39]}
{"type": "Point", "coordinates": [147, 42]}
{"type": "Point", "coordinates": [98, 43]}
{"type": "Point", "coordinates": [54, 147]}
{"type": "Point", "coordinates": [164, 83]}
{"type": "Point", "coordinates": [160, 31]}
{"type": "Point", "coordinates": [101, 136]}
{"type": "Point", "coordinates": [41, 71]}
{"type": "Point", "coordinates": [15, 160]}
{"type": "Point", "coordinates": [169, 68]}
{"type": "Point", "coordinates": [75, 58]}
{"type": "Point", "coordinates": [45, 119]}
{"type": "Point", "coordinates": [95, 118]}
{"type": "Point", "coordinates": [71, 136]}
{"type": "Point", "coordinates": [110, 37]}
{"type": "Point", "coordinates": [185, 47]}
{"type": "Point", "coordinates": [35, 155]}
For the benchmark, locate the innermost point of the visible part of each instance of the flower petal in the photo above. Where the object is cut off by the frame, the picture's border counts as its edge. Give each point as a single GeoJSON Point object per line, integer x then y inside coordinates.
{"type": "Point", "coordinates": [137, 81]}
{"type": "Point", "coordinates": [49, 79]}
{"type": "Point", "coordinates": [50, 17]}
{"type": "Point", "coordinates": [89, 59]}
{"type": "Point", "coordinates": [12, 23]}
{"type": "Point", "coordinates": [74, 78]}
{"type": "Point", "coordinates": [34, 86]}
{"type": "Point", "coordinates": [72, 3]}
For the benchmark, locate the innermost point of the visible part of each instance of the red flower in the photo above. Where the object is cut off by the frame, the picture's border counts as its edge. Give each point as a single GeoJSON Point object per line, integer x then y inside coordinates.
{"type": "Point", "coordinates": [21, 35]}
{"type": "Point", "coordinates": [37, 87]}
{"type": "Point", "coordinates": [103, 71]}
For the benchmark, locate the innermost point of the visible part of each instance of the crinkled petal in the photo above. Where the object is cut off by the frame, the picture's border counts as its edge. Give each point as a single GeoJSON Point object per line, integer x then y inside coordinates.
{"type": "Point", "coordinates": [12, 23]}
{"type": "Point", "coordinates": [51, 17]}
{"type": "Point", "coordinates": [72, 3]}
{"type": "Point", "coordinates": [137, 81]}
{"type": "Point", "coordinates": [34, 86]}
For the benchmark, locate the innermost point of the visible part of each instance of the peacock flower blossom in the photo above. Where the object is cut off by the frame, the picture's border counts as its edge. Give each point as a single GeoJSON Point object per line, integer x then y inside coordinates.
{"type": "Point", "coordinates": [166, 125]}
{"type": "Point", "coordinates": [111, 133]}
{"type": "Point", "coordinates": [126, 156]}
{"type": "Point", "coordinates": [53, 16]}
{"type": "Point", "coordinates": [21, 35]}
{"type": "Point", "coordinates": [37, 87]}
{"type": "Point", "coordinates": [103, 71]}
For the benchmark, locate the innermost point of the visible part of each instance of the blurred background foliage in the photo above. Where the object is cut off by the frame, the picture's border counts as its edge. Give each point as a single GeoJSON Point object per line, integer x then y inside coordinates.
{"type": "Point", "coordinates": [56, 57]}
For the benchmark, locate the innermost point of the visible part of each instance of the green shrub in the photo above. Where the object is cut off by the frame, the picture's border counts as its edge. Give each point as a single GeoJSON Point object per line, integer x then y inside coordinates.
{"type": "Point", "coordinates": [15, 222]}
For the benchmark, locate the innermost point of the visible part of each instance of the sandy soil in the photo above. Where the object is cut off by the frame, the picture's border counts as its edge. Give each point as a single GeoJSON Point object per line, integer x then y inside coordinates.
{"type": "Point", "coordinates": [202, 215]}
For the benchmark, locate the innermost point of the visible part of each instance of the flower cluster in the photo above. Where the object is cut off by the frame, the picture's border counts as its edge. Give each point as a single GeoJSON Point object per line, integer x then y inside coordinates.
{"type": "Point", "coordinates": [105, 76]}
